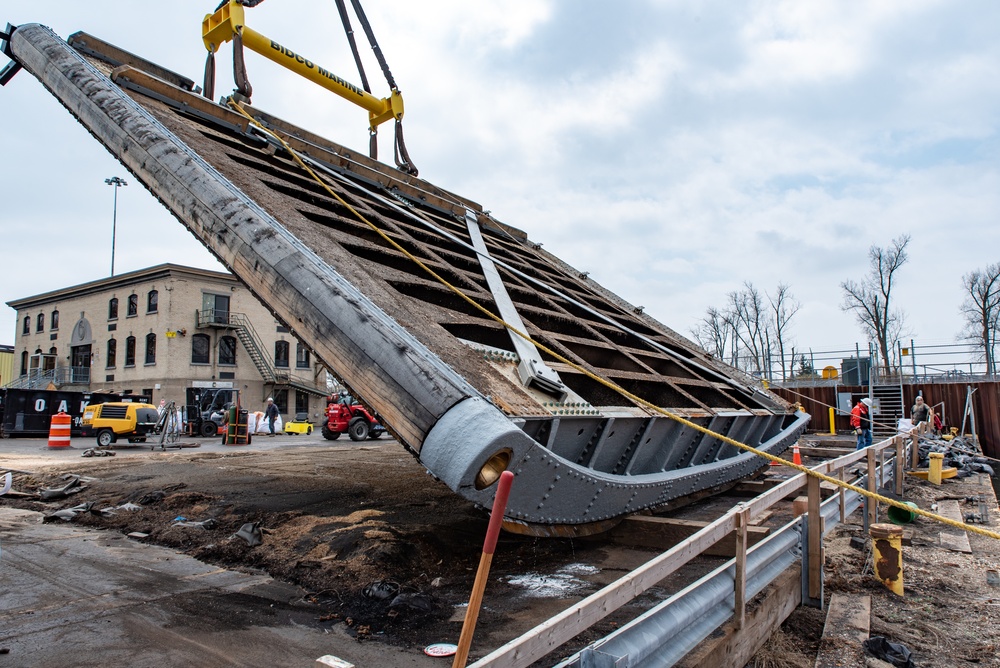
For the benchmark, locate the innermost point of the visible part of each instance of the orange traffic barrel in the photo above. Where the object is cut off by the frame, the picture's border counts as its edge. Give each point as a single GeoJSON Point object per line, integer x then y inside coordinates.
{"type": "Point", "coordinates": [59, 431]}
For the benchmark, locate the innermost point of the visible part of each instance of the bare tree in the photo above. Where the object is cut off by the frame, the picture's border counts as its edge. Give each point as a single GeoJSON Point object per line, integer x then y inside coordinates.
{"type": "Point", "coordinates": [783, 308]}
{"type": "Point", "coordinates": [981, 309]}
{"type": "Point", "coordinates": [746, 332]}
{"type": "Point", "coordinates": [713, 333]}
{"type": "Point", "coordinates": [871, 298]}
{"type": "Point", "coordinates": [750, 324]}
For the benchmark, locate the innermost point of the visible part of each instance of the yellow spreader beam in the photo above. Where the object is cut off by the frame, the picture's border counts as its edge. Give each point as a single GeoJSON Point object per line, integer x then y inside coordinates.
{"type": "Point", "coordinates": [229, 20]}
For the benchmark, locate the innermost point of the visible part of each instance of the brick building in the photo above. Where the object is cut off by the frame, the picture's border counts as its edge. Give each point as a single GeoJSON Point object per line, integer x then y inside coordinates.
{"type": "Point", "coordinates": [159, 331]}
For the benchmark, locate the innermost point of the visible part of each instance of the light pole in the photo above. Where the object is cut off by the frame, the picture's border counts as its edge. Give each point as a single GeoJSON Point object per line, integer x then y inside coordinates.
{"type": "Point", "coordinates": [116, 182]}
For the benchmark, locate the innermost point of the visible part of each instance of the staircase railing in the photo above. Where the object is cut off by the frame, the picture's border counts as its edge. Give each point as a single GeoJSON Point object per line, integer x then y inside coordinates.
{"type": "Point", "coordinates": [37, 379]}
{"type": "Point", "coordinates": [255, 347]}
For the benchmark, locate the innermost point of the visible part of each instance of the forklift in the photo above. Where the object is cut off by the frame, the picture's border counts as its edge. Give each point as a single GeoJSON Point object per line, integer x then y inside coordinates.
{"type": "Point", "coordinates": [205, 409]}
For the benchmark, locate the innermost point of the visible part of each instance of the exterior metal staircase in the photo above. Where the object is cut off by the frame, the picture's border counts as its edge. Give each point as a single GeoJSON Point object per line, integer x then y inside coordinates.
{"type": "Point", "coordinates": [241, 326]}
{"type": "Point", "coordinates": [252, 343]}
{"type": "Point", "coordinates": [889, 399]}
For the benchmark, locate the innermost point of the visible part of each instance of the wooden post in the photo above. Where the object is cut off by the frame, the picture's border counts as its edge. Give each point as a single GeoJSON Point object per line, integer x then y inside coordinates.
{"type": "Point", "coordinates": [872, 515]}
{"type": "Point", "coordinates": [843, 497]}
{"type": "Point", "coordinates": [815, 520]}
{"type": "Point", "coordinates": [740, 611]}
{"type": "Point", "coordinates": [898, 440]}
{"type": "Point", "coordinates": [914, 450]}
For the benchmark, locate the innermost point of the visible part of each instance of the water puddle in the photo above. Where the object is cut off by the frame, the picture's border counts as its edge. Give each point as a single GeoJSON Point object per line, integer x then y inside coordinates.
{"type": "Point", "coordinates": [564, 582]}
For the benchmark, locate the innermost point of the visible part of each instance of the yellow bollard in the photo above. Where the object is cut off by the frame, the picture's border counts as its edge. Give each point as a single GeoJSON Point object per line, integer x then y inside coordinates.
{"type": "Point", "coordinates": [833, 423]}
{"type": "Point", "coordinates": [936, 461]}
{"type": "Point", "coordinates": [887, 541]}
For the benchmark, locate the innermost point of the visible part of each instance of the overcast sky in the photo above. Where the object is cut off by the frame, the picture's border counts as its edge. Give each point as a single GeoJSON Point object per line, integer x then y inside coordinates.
{"type": "Point", "coordinates": [673, 151]}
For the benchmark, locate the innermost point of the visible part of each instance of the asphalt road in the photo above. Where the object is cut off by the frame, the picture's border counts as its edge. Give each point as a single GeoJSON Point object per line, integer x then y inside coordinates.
{"type": "Point", "coordinates": [77, 596]}
{"type": "Point", "coordinates": [23, 453]}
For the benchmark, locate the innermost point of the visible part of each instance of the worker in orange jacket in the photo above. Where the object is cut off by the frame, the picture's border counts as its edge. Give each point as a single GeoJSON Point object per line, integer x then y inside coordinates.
{"type": "Point", "coordinates": [861, 421]}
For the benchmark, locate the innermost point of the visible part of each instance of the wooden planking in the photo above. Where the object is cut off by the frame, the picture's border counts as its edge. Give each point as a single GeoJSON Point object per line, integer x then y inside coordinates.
{"type": "Point", "coordinates": [848, 622]}
{"type": "Point", "coordinates": [126, 74]}
{"type": "Point", "coordinates": [115, 56]}
{"type": "Point", "coordinates": [954, 539]}
{"type": "Point", "coordinates": [736, 646]}
{"type": "Point", "coordinates": [665, 532]}
{"type": "Point", "coordinates": [373, 170]}
{"type": "Point", "coordinates": [544, 638]}
{"type": "Point", "coordinates": [828, 453]}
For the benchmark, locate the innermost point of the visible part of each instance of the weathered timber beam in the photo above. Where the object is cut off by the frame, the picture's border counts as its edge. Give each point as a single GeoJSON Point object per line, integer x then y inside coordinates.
{"type": "Point", "coordinates": [404, 381]}
{"type": "Point", "coordinates": [663, 533]}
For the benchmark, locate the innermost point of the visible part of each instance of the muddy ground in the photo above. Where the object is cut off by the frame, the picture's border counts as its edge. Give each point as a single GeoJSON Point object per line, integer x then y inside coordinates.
{"type": "Point", "coordinates": [388, 554]}
{"type": "Point", "coordinates": [949, 616]}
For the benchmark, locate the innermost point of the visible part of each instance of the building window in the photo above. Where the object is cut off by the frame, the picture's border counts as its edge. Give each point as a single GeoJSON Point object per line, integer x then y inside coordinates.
{"type": "Point", "coordinates": [113, 308]}
{"type": "Point", "coordinates": [214, 308]}
{"type": "Point", "coordinates": [152, 300]}
{"type": "Point", "coordinates": [24, 363]}
{"type": "Point", "coordinates": [133, 306]}
{"type": "Point", "coordinates": [301, 356]}
{"type": "Point", "coordinates": [130, 351]}
{"type": "Point", "coordinates": [151, 348]}
{"type": "Point", "coordinates": [281, 400]}
{"type": "Point", "coordinates": [27, 325]}
{"type": "Point", "coordinates": [112, 356]}
{"type": "Point", "coordinates": [227, 350]}
{"type": "Point", "coordinates": [200, 345]}
{"type": "Point", "coordinates": [55, 320]}
{"type": "Point", "coordinates": [281, 354]}
{"type": "Point", "coordinates": [40, 323]}
{"type": "Point", "coordinates": [301, 403]}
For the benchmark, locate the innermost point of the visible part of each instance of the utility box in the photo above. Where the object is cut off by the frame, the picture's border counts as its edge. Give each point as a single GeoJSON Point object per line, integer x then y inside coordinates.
{"type": "Point", "coordinates": [844, 404]}
{"type": "Point", "coordinates": [854, 370]}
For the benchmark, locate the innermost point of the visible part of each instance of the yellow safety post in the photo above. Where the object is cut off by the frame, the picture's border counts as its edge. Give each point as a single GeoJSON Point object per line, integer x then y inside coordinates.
{"type": "Point", "coordinates": [833, 424]}
{"type": "Point", "coordinates": [936, 461]}
{"type": "Point", "coordinates": [887, 541]}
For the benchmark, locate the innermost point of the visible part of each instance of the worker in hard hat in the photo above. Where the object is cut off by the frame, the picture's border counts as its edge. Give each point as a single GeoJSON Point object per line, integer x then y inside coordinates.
{"type": "Point", "coordinates": [861, 421]}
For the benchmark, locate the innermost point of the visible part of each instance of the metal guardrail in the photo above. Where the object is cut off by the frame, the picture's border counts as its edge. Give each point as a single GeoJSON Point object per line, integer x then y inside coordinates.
{"type": "Point", "coordinates": [665, 634]}
{"type": "Point", "coordinates": [37, 379]}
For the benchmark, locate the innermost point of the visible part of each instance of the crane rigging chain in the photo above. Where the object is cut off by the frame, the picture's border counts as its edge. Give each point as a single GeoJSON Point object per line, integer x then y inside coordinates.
{"type": "Point", "coordinates": [243, 86]}
{"type": "Point", "coordinates": [346, 20]}
{"type": "Point", "coordinates": [227, 23]}
{"type": "Point", "coordinates": [400, 154]}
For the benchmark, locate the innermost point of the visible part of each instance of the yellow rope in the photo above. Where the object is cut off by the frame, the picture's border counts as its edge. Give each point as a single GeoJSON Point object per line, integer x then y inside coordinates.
{"type": "Point", "coordinates": [603, 381]}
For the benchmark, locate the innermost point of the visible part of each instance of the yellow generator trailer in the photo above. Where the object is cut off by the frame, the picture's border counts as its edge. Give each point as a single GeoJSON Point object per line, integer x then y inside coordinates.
{"type": "Point", "coordinates": [113, 420]}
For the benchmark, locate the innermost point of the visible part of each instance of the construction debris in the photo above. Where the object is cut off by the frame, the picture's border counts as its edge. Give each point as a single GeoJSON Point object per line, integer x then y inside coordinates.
{"type": "Point", "coordinates": [251, 533]}
{"type": "Point", "coordinates": [74, 486]}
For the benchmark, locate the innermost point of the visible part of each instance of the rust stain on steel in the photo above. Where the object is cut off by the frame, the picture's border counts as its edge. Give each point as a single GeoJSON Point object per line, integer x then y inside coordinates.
{"type": "Point", "coordinates": [887, 568]}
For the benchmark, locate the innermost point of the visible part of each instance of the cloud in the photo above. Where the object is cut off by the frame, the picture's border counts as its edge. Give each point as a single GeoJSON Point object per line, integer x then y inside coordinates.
{"type": "Point", "coordinates": [673, 149]}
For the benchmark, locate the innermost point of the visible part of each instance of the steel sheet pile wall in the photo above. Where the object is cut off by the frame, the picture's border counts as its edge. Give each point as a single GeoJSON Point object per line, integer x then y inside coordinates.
{"type": "Point", "coordinates": [985, 403]}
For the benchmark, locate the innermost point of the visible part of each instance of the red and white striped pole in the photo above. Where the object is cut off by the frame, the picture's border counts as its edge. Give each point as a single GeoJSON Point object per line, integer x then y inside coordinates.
{"type": "Point", "coordinates": [476, 599]}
